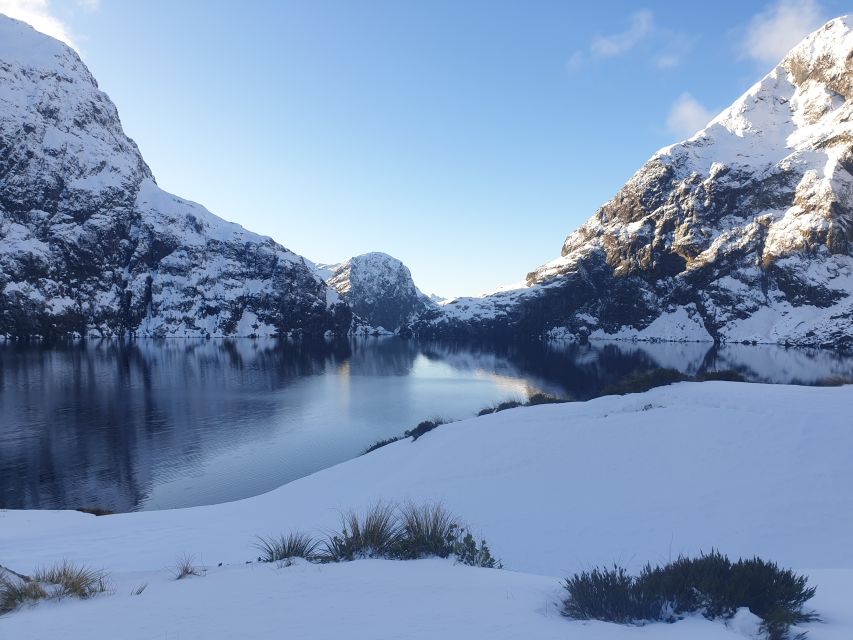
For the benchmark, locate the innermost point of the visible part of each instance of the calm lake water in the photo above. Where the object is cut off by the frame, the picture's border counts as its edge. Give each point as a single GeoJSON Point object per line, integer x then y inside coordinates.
{"type": "Point", "coordinates": [156, 425]}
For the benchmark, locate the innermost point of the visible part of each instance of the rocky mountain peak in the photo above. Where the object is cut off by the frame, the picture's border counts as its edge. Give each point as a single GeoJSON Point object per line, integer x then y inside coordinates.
{"type": "Point", "coordinates": [378, 287]}
{"type": "Point", "coordinates": [89, 245]}
{"type": "Point", "coordinates": [744, 231]}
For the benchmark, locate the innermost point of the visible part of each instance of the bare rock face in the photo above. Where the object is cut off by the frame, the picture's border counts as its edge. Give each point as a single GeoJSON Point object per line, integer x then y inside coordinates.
{"type": "Point", "coordinates": [90, 245]}
{"type": "Point", "coordinates": [743, 232]}
{"type": "Point", "coordinates": [378, 288]}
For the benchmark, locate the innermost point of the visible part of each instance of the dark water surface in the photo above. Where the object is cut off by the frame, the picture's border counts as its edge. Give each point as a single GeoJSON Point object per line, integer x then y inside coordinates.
{"type": "Point", "coordinates": [155, 425]}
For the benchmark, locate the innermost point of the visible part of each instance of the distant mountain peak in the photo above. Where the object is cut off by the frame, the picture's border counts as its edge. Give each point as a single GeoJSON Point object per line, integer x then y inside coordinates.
{"type": "Point", "coordinates": [378, 287]}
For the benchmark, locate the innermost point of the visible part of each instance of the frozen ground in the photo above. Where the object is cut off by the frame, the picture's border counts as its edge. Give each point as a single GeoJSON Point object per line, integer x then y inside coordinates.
{"type": "Point", "coordinates": [747, 469]}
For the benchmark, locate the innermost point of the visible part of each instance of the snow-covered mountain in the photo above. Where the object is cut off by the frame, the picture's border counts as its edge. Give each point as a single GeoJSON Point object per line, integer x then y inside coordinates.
{"type": "Point", "coordinates": [378, 288]}
{"type": "Point", "coordinates": [89, 243]}
{"type": "Point", "coordinates": [743, 232]}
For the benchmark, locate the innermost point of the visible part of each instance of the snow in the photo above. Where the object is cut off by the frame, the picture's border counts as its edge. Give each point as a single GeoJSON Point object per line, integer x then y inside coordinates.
{"type": "Point", "coordinates": [18, 45]}
{"type": "Point", "coordinates": [745, 468]}
{"type": "Point", "coordinates": [69, 154]}
{"type": "Point", "coordinates": [683, 324]}
{"type": "Point", "coordinates": [765, 183]}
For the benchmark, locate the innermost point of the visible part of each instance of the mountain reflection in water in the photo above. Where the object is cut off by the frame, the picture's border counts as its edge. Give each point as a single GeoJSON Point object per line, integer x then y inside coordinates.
{"type": "Point", "coordinates": [162, 424]}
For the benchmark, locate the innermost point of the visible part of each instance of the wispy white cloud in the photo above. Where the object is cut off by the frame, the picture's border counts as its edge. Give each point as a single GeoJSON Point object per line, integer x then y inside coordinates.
{"type": "Point", "coordinates": [669, 47]}
{"type": "Point", "coordinates": [41, 15]}
{"type": "Point", "coordinates": [781, 25]}
{"type": "Point", "coordinates": [687, 116]}
{"type": "Point", "coordinates": [640, 25]}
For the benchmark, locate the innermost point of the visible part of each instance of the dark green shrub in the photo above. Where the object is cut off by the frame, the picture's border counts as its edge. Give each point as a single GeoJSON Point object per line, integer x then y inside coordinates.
{"type": "Point", "coordinates": [293, 545]}
{"type": "Point", "coordinates": [834, 381]}
{"type": "Point", "coordinates": [508, 404]}
{"type": "Point", "coordinates": [601, 594]}
{"type": "Point", "coordinates": [685, 585]}
{"type": "Point", "coordinates": [379, 444]}
{"type": "Point", "coordinates": [710, 584]}
{"type": "Point", "coordinates": [727, 375]}
{"type": "Point", "coordinates": [96, 511]}
{"type": "Point", "coordinates": [424, 427]}
{"type": "Point", "coordinates": [775, 595]}
{"type": "Point", "coordinates": [639, 382]}
{"type": "Point", "coordinates": [542, 398]}
{"type": "Point", "coordinates": [467, 552]}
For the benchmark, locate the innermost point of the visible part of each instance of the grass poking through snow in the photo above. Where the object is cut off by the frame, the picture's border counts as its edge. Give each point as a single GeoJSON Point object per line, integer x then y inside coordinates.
{"type": "Point", "coordinates": [283, 548]}
{"type": "Point", "coordinates": [185, 567]}
{"type": "Point", "coordinates": [65, 580]}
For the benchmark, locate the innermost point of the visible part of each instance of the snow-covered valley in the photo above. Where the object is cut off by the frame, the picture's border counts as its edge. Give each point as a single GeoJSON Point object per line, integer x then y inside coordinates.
{"type": "Point", "coordinates": [749, 469]}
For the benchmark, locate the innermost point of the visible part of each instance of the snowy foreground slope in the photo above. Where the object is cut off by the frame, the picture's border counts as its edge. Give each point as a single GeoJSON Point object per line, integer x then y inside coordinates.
{"type": "Point", "coordinates": [742, 232]}
{"type": "Point", "coordinates": [748, 469]}
{"type": "Point", "coordinates": [89, 244]}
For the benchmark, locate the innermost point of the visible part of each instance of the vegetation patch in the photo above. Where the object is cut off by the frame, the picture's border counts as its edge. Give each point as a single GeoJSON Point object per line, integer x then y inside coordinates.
{"type": "Point", "coordinates": [424, 427]}
{"type": "Point", "coordinates": [646, 380]}
{"type": "Point", "coordinates": [380, 443]}
{"type": "Point", "coordinates": [711, 585]}
{"type": "Point", "coordinates": [468, 552]}
{"type": "Point", "coordinates": [66, 580]}
{"type": "Point", "coordinates": [374, 534]}
{"type": "Point", "coordinates": [427, 530]}
{"type": "Point", "coordinates": [185, 567]}
{"type": "Point", "coordinates": [96, 511]}
{"type": "Point", "coordinates": [285, 548]}
{"type": "Point", "coordinates": [405, 533]}
{"type": "Point", "coordinates": [834, 381]}
{"type": "Point", "coordinates": [535, 399]}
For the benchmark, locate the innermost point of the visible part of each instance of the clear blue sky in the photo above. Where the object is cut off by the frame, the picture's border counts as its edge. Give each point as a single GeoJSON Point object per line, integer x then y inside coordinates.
{"type": "Point", "coordinates": [466, 138]}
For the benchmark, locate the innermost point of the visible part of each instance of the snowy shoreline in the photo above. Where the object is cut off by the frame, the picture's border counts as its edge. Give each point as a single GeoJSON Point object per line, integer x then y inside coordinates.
{"type": "Point", "coordinates": [748, 469]}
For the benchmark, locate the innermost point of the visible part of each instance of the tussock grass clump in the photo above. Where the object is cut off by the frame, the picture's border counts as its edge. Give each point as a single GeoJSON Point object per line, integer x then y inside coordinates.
{"type": "Point", "coordinates": [427, 530]}
{"type": "Point", "coordinates": [405, 533]}
{"type": "Point", "coordinates": [424, 427]}
{"type": "Point", "coordinates": [71, 580]}
{"type": "Point", "coordinates": [185, 567]}
{"type": "Point", "coordinates": [379, 444]}
{"type": "Point", "coordinates": [15, 592]}
{"type": "Point", "coordinates": [374, 534]}
{"type": "Point", "coordinates": [710, 584]}
{"type": "Point", "coordinates": [282, 548]}
{"type": "Point", "coordinates": [66, 580]}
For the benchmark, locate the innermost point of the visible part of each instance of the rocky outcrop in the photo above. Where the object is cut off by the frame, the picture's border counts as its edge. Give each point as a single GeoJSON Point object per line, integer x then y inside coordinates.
{"type": "Point", "coordinates": [90, 245]}
{"type": "Point", "coordinates": [378, 288]}
{"type": "Point", "coordinates": [744, 232]}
